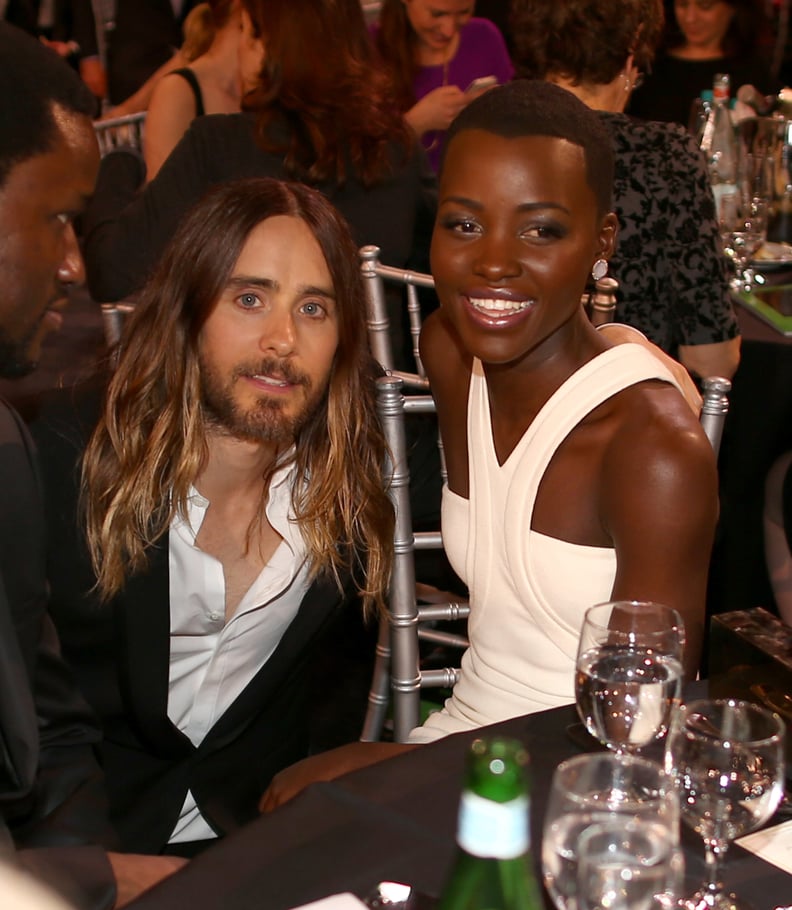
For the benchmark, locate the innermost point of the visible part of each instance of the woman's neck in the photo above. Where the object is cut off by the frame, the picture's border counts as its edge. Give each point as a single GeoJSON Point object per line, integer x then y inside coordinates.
{"type": "Point", "coordinates": [696, 52]}
{"type": "Point", "coordinates": [220, 63]}
{"type": "Point", "coordinates": [611, 97]}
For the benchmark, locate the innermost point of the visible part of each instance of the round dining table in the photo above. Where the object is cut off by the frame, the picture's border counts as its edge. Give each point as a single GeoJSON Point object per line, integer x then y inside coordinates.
{"type": "Point", "coordinates": [395, 821]}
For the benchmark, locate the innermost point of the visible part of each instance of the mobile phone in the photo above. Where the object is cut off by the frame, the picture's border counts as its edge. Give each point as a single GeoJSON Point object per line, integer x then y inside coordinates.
{"type": "Point", "coordinates": [481, 83]}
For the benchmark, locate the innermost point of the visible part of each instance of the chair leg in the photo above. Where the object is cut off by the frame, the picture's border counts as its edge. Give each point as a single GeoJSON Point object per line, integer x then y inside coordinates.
{"type": "Point", "coordinates": [379, 693]}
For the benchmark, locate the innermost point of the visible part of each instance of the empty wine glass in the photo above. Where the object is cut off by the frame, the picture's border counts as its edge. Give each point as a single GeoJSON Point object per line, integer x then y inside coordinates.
{"type": "Point", "coordinates": [594, 789]}
{"type": "Point", "coordinates": [729, 764]}
{"type": "Point", "coordinates": [628, 865]}
{"type": "Point", "coordinates": [743, 229]}
{"type": "Point", "coordinates": [629, 672]}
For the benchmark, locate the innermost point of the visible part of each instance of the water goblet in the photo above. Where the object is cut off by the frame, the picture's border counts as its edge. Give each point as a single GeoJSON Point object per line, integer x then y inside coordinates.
{"type": "Point", "coordinates": [728, 758]}
{"type": "Point", "coordinates": [595, 789]}
{"type": "Point", "coordinates": [743, 230]}
{"type": "Point", "coordinates": [628, 865]}
{"type": "Point", "coordinates": [629, 672]}
{"type": "Point", "coordinates": [756, 177]}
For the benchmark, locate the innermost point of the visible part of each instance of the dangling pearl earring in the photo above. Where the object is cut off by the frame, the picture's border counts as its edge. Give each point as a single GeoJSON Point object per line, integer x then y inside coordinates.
{"type": "Point", "coordinates": [627, 83]}
{"type": "Point", "coordinates": [599, 269]}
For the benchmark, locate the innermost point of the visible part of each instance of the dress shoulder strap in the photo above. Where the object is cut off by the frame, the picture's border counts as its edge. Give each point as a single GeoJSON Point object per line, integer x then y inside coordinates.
{"type": "Point", "coordinates": [189, 76]}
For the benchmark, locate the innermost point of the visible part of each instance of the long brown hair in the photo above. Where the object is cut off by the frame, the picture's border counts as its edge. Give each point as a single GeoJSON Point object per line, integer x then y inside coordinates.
{"type": "Point", "coordinates": [321, 101]}
{"type": "Point", "coordinates": [150, 443]}
{"type": "Point", "coordinates": [396, 46]}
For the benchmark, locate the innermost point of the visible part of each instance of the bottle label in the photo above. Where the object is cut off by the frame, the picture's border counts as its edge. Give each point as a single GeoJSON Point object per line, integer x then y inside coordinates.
{"type": "Point", "coordinates": [490, 829]}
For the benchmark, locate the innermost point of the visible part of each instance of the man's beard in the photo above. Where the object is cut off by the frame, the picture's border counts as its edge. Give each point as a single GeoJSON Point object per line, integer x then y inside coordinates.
{"type": "Point", "coordinates": [264, 421]}
{"type": "Point", "coordinates": [14, 360]}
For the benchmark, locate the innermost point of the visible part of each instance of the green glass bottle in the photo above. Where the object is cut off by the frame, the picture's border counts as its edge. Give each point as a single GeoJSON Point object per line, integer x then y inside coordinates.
{"type": "Point", "coordinates": [493, 869]}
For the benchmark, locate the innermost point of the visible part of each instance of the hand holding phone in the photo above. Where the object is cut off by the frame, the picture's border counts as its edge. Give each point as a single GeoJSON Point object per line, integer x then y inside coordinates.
{"type": "Point", "coordinates": [483, 82]}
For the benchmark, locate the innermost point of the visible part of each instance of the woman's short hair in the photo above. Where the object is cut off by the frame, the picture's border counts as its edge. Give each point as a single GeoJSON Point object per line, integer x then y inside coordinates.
{"type": "Point", "coordinates": [585, 41]}
{"type": "Point", "coordinates": [537, 108]}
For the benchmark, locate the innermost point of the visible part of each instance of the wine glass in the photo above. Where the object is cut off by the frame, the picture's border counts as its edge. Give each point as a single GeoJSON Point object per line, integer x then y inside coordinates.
{"type": "Point", "coordinates": [743, 229]}
{"type": "Point", "coordinates": [729, 765]}
{"type": "Point", "coordinates": [629, 672]}
{"type": "Point", "coordinates": [600, 788]}
{"type": "Point", "coordinates": [756, 175]}
{"type": "Point", "coordinates": [628, 865]}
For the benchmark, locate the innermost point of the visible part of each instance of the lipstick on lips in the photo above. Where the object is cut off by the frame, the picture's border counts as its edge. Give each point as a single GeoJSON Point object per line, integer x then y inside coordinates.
{"type": "Point", "coordinates": [497, 308]}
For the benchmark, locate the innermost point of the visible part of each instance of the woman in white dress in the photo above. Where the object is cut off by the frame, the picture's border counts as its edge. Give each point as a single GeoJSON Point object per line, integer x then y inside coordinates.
{"type": "Point", "coordinates": [577, 472]}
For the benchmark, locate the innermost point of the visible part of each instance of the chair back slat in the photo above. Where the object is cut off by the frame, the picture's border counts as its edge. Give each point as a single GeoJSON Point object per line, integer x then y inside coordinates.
{"type": "Point", "coordinates": [120, 131]}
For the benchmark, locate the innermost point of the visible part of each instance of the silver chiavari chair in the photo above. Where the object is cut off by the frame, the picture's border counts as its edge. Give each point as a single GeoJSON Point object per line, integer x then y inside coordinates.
{"type": "Point", "coordinates": [397, 672]}
{"type": "Point", "coordinates": [111, 134]}
{"type": "Point", "coordinates": [115, 132]}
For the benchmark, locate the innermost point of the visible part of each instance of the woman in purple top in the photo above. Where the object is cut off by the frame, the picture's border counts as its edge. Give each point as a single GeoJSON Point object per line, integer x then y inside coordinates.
{"type": "Point", "coordinates": [435, 50]}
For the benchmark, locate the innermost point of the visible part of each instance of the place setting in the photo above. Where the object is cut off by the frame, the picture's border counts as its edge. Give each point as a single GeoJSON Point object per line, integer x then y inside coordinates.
{"type": "Point", "coordinates": [611, 836]}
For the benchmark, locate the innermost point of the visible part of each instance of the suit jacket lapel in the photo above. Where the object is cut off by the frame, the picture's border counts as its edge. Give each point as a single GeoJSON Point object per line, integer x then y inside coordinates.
{"type": "Point", "coordinates": [317, 608]}
{"type": "Point", "coordinates": [143, 618]}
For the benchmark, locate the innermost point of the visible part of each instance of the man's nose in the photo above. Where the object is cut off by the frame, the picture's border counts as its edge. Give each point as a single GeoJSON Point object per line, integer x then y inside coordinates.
{"type": "Point", "coordinates": [279, 335]}
{"type": "Point", "coordinates": [72, 268]}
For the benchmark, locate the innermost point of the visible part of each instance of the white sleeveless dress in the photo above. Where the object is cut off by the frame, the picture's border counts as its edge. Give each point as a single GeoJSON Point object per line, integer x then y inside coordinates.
{"type": "Point", "coordinates": [528, 591]}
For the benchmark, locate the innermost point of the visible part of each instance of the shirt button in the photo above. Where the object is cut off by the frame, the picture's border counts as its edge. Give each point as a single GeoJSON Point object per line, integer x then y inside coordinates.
{"type": "Point", "coordinates": [214, 617]}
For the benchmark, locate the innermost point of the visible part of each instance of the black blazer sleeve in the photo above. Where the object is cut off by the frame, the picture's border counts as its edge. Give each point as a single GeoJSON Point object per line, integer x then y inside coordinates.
{"type": "Point", "coordinates": [51, 790]}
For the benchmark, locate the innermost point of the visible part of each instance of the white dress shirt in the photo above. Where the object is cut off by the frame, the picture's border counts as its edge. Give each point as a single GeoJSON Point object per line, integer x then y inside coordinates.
{"type": "Point", "coordinates": [211, 660]}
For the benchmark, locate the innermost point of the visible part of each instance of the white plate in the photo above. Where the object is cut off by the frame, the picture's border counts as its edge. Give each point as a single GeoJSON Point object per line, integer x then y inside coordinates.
{"type": "Point", "coordinates": [773, 256]}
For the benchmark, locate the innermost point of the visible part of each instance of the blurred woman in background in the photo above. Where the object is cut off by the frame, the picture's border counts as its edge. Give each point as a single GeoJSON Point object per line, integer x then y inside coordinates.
{"type": "Point", "coordinates": [209, 84]}
{"type": "Point", "coordinates": [434, 51]}
{"type": "Point", "coordinates": [316, 110]}
{"type": "Point", "coordinates": [703, 38]}
{"type": "Point", "coordinates": [673, 279]}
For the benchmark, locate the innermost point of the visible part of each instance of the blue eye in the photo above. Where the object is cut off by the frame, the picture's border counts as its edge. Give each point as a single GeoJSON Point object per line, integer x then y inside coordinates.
{"type": "Point", "coordinates": [247, 301]}
{"type": "Point", "coordinates": [312, 308]}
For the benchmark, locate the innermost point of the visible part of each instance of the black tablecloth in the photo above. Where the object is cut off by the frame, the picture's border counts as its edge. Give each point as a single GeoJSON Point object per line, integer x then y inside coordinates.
{"type": "Point", "coordinates": [394, 821]}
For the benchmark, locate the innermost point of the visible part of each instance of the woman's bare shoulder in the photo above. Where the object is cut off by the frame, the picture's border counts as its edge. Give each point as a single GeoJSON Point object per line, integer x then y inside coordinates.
{"type": "Point", "coordinates": [657, 435]}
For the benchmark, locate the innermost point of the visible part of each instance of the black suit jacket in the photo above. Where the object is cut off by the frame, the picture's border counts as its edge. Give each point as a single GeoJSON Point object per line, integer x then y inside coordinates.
{"type": "Point", "coordinates": [120, 654]}
{"type": "Point", "coordinates": [51, 794]}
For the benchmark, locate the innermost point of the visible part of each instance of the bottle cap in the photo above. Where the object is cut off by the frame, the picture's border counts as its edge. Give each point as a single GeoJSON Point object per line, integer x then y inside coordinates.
{"type": "Point", "coordinates": [721, 87]}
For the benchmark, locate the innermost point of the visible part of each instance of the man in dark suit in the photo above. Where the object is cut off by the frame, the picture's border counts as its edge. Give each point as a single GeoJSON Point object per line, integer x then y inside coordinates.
{"type": "Point", "coordinates": [53, 806]}
{"type": "Point", "coordinates": [234, 502]}
{"type": "Point", "coordinates": [131, 39]}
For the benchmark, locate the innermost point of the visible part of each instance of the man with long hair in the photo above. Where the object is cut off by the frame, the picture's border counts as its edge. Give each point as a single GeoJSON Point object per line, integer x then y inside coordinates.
{"type": "Point", "coordinates": [233, 498]}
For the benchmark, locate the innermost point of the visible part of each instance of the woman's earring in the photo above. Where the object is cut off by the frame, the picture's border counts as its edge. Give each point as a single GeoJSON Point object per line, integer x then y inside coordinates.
{"type": "Point", "coordinates": [599, 269]}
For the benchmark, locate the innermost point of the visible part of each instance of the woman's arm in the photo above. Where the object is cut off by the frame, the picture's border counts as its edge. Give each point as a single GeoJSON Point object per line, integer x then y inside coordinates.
{"type": "Point", "coordinates": [659, 496]}
{"type": "Point", "coordinates": [170, 113]}
{"type": "Point", "coordinates": [139, 102]}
